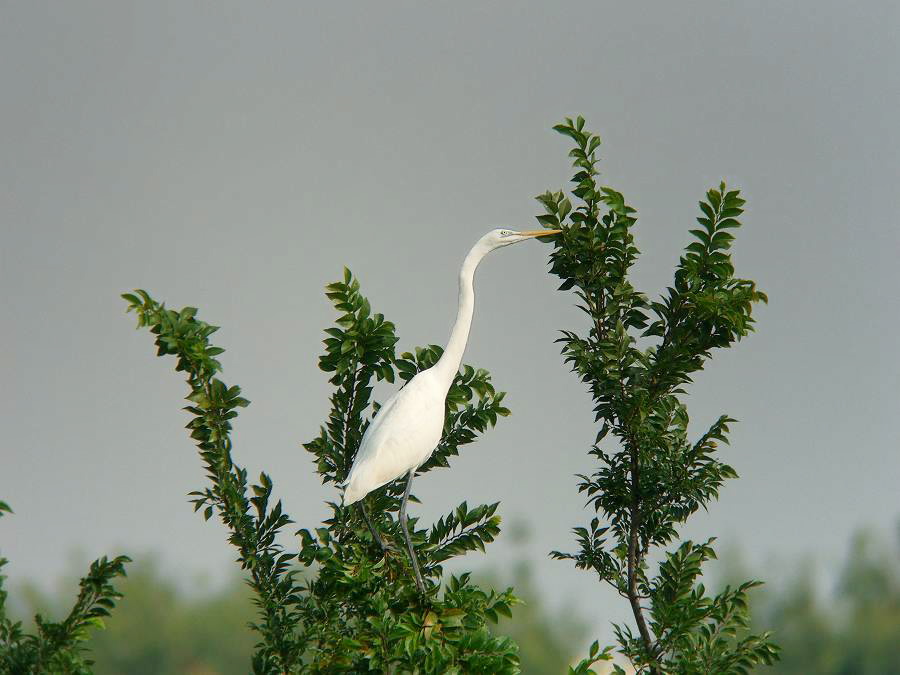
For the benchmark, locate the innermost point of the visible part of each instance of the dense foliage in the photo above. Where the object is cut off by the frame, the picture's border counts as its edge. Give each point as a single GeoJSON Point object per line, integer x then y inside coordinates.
{"type": "Point", "coordinates": [636, 358]}
{"type": "Point", "coordinates": [169, 625]}
{"type": "Point", "coordinates": [357, 610]}
{"type": "Point", "coordinates": [59, 647]}
{"type": "Point", "coordinates": [851, 628]}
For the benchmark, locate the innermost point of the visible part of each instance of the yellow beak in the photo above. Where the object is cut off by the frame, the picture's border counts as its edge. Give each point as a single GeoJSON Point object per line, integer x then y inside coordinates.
{"type": "Point", "coordinates": [539, 233]}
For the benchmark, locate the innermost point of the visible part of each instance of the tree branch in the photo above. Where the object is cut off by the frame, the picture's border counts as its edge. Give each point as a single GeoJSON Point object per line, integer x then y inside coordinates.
{"type": "Point", "coordinates": [635, 557]}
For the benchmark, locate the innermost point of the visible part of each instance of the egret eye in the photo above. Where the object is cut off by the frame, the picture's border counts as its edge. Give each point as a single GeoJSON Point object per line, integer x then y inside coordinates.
{"type": "Point", "coordinates": [505, 233]}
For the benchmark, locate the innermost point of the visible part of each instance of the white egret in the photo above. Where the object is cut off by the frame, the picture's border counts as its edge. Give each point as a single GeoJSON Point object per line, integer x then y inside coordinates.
{"type": "Point", "coordinates": [409, 425]}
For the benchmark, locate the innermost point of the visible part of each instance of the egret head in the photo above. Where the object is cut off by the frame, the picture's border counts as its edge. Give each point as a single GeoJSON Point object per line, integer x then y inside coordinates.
{"type": "Point", "coordinates": [504, 237]}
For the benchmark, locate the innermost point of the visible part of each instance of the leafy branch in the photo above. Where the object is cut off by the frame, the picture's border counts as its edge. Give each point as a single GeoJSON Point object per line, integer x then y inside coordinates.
{"type": "Point", "coordinates": [58, 647]}
{"type": "Point", "coordinates": [354, 609]}
{"type": "Point", "coordinates": [649, 477]}
{"type": "Point", "coordinates": [252, 523]}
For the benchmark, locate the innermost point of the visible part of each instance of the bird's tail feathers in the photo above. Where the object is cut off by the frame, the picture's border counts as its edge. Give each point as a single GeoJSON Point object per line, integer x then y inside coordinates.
{"type": "Point", "coordinates": [352, 494]}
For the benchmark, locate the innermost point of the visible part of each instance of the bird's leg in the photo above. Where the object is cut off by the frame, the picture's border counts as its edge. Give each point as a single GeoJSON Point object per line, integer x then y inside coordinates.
{"type": "Point", "coordinates": [412, 551]}
{"type": "Point", "coordinates": [375, 535]}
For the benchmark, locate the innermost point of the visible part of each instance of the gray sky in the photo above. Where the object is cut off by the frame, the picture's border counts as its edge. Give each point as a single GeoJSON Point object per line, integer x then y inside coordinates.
{"type": "Point", "coordinates": [235, 156]}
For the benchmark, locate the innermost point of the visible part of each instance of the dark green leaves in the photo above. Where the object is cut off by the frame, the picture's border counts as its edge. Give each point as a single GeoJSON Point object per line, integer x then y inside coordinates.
{"type": "Point", "coordinates": [595, 655]}
{"type": "Point", "coordinates": [252, 524]}
{"type": "Point", "coordinates": [707, 306]}
{"type": "Point", "coordinates": [360, 339]}
{"type": "Point", "coordinates": [358, 348]}
{"type": "Point", "coordinates": [699, 632]}
{"type": "Point", "coordinates": [649, 478]}
{"type": "Point", "coordinates": [463, 531]}
{"type": "Point", "coordinates": [58, 647]}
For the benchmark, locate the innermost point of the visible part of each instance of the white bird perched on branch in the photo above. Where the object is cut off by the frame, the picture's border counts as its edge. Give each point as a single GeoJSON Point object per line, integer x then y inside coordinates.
{"type": "Point", "coordinates": [409, 425]}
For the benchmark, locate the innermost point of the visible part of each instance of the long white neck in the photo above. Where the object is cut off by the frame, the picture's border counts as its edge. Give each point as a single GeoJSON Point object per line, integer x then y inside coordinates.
{"type": "Point", "coordinates": [448, 365]}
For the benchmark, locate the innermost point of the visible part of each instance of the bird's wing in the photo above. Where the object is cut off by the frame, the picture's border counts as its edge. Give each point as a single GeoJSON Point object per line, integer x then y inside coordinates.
{"type": "Point", "coordinates": [366, 446]}
{"type": "Point", "coordinates": [368, 450]}
{"type": "Point", "coordinates": [400, 438]}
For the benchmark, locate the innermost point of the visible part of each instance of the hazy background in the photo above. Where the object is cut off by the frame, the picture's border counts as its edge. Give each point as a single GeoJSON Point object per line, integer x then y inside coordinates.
{"type": "Point", "coordinates": [235, 156]}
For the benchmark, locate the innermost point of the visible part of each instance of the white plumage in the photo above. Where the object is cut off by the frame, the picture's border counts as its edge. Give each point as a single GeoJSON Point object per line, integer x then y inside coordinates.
{"type": "Point", "coordinates": [401, 437]}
